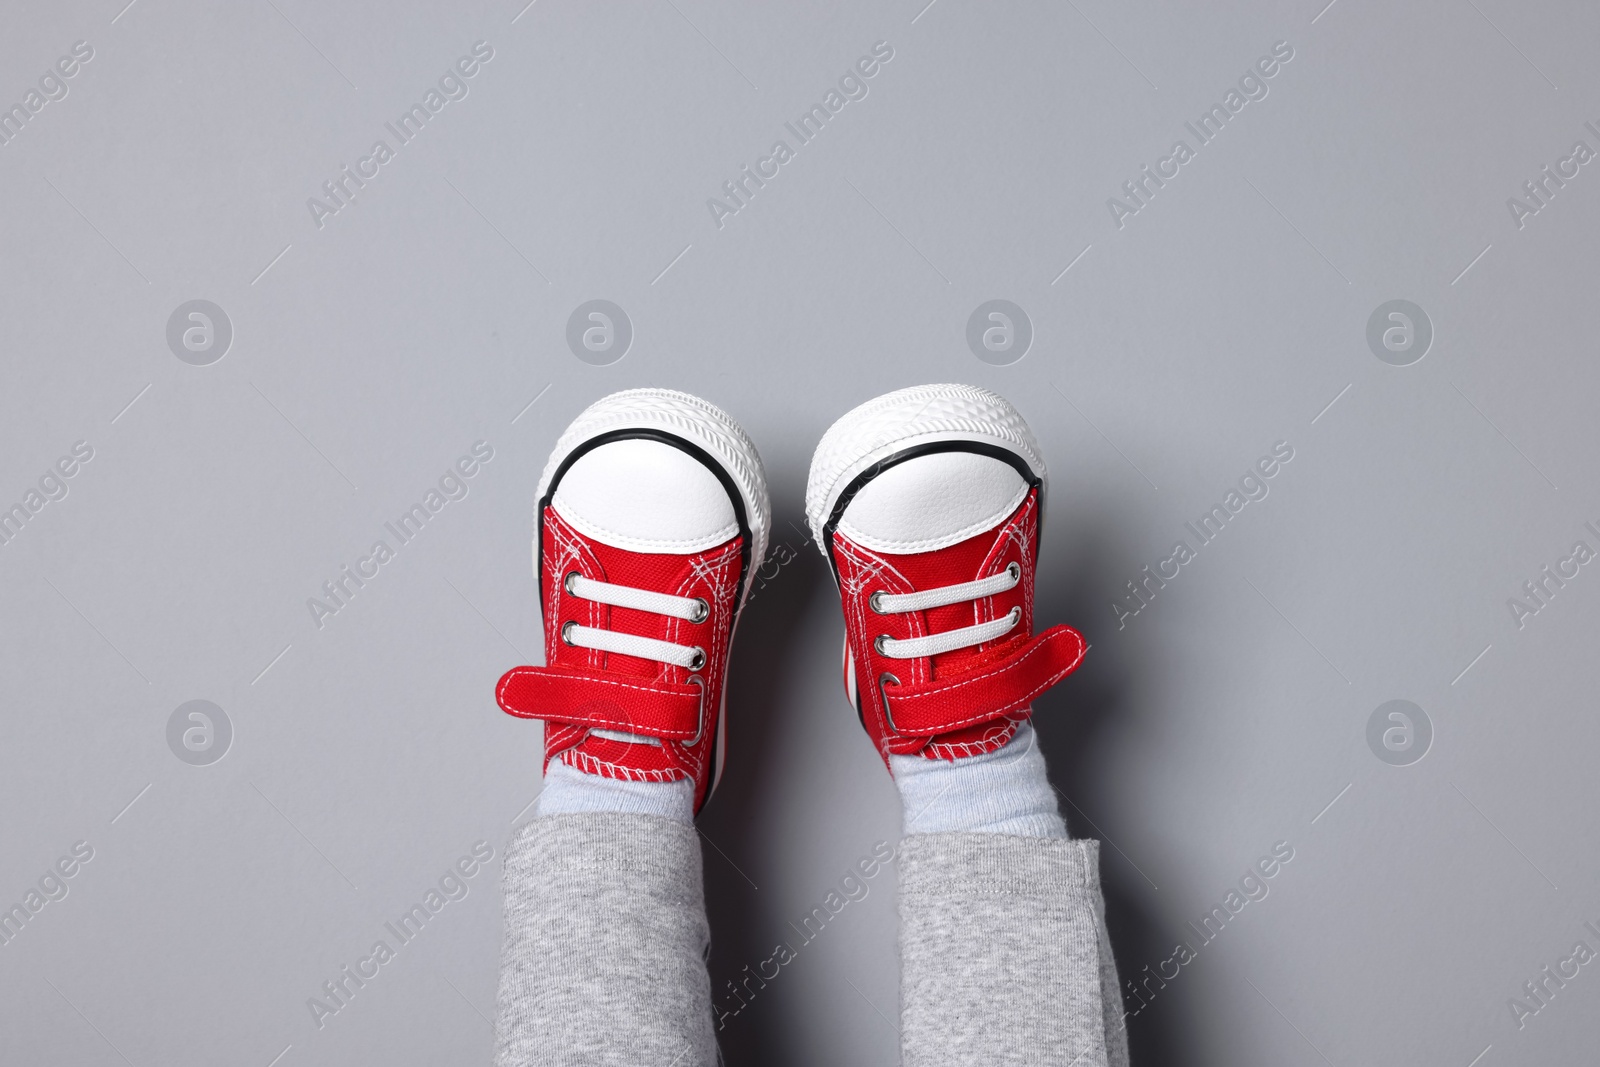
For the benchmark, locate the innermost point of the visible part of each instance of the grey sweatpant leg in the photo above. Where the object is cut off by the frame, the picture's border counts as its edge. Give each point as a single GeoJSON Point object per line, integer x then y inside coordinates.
{"type": "Point", "coordinates": [1004, 957]}
{"type": "Point", "coordinates": [603, 957]}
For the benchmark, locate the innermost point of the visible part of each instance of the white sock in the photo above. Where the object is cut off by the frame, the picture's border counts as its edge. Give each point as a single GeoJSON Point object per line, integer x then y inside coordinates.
{"type": "Point", "coordinates": [1000, 792]}
{"type": "Point", "coordinates": [567, 790]}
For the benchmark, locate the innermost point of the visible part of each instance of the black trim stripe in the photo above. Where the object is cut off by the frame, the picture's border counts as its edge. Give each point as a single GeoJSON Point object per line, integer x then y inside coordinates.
{"type": "Point", "coordinates": [859, 482]}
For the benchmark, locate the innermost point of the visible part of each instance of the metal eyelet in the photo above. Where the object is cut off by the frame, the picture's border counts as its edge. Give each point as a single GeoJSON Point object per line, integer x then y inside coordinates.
{"type": "Point", "coordinates": [875, 602]}
{"type": "Point", "coordinates": [877, 643]}
{"type": "Point", "coordinates": [1015, 570]}
{"type": "Point", "coordinates": [699, 660]}
{"type": "Point", "coordinates": [566, 583]}
{"type": "Point", "coordinates": [1015, 613]}
{"type": "Point", "coordinates": [566, 632]}
{"type": "Point", "coordinates": [702, 610]}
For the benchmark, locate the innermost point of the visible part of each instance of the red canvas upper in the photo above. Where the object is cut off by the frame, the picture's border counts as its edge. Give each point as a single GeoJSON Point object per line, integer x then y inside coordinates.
{"type": "Point", "coordinates": [970, 700]}
{"type": "Point", "coordinates": [580, 689]}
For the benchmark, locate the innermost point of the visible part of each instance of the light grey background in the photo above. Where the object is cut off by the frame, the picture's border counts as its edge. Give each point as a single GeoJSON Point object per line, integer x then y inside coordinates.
{"type": "Point", "coordinates": [1227, 315]}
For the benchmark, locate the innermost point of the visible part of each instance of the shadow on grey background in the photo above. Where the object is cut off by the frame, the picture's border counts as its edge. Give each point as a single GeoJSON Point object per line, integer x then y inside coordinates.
{"type": "Point", "coordinates": [743, 923]}
{"type": "Point", "coordinates": [1079, 558]}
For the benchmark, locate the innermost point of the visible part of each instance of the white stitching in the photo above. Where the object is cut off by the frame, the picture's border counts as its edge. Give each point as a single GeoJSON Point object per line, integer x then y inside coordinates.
{"type": "Point", "coordinates": [988, 743]}
{"type": "Point", "coordinates": [995, 713]}
{"type": "Point", "coordinates": [605, 769]}
{"type": "Point", "coordinates": [974, 678]}
{"type": "Point", "coordinates": [518, 672]}
{"type": "Point", "coordinates": [713, 571]}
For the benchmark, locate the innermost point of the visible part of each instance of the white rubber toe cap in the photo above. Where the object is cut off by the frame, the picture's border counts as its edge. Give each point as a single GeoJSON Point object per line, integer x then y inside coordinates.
{"type": "Point", "coordinates": [645, 414]}
{"type": "Point", "coordinates": [932, 502]}
{"type": "Point", "coordinates": [645, 496]}
{"type": "Point", "coordinates": [923, 415]}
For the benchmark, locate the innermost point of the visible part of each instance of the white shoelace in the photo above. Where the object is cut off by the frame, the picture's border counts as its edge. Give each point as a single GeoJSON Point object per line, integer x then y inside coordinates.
{"type": "Point", "coordinates": [690, 609]}
{"type": "Point", "coordinates": [944, 596]}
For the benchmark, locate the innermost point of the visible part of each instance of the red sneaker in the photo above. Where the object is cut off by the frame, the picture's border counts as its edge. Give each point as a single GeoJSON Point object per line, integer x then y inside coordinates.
{"type": "Point", "coordinates": [926, 503]}
{"type": "Point", "coordinates": [652, 514]}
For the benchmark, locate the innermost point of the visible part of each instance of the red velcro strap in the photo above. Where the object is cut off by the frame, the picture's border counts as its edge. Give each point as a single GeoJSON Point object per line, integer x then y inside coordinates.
{"type": "Point", "coordinates": [938, 707]}
{"type": "Point", "coordinates": [636, 706]}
